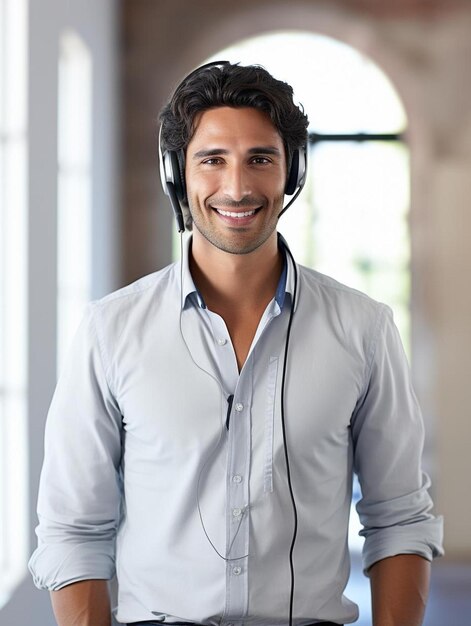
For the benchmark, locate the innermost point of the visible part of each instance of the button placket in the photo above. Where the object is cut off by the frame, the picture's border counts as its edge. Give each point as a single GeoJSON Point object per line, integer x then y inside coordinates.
{"type": "Point", "coordinates": [223, 351]}
{"type": "Point", "coordinates": [238, 468]}
{"type": "Point", "coordinates": [237, 511]}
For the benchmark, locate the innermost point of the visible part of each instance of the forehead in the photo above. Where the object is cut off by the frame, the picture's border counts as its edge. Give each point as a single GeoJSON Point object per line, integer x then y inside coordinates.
{"type": "Point", "coordinates": [237, 128]}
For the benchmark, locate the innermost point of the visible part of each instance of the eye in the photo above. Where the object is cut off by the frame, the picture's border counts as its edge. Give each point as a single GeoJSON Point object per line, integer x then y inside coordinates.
{"type": "Point", "coordinates": [212, 161]}
{"type": "Point", "coordinates": [260, 160]}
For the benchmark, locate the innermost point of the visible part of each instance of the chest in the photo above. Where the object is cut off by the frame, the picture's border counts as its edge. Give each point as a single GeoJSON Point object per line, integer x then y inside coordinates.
{"type": "Point", "coordinates": [174, 397]}
{"type": "Point", "coordinates": [242, 330]}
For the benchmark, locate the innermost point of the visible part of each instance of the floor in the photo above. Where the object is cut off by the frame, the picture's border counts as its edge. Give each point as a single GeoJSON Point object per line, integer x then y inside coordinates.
{"type": "Point", "coordinates": [449, 601]}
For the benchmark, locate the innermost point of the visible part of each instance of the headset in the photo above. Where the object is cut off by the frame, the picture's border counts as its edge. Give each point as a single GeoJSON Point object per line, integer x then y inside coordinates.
{"type": "Point", "coordinates": [172, 167]}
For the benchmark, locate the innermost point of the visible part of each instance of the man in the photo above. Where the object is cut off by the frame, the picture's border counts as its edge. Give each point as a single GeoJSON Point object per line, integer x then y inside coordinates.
{"type": "Point", "coordinates": [211, 414]}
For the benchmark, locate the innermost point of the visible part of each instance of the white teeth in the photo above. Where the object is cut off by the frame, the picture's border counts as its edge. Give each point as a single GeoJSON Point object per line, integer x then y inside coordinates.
{"type": "Point", "coordinates": [232, 214]}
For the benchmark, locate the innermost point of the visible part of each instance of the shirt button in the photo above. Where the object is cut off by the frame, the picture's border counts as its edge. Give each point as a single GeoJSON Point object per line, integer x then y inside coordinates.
{"type": "Point", "coordinates": [239, 407]}
{"type": "Point", "coordinates": [236, 512]}
{"type": "Point", "coordinates": [237, 478]}
{"type": "Point", "coordinates": [236, 570]}
{"type": "Point", "coordinates": [222, 342]}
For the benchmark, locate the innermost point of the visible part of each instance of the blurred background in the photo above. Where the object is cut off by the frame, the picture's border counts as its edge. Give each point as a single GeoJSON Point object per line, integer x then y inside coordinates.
{"type": "Point", "coordinates": [386, 208]}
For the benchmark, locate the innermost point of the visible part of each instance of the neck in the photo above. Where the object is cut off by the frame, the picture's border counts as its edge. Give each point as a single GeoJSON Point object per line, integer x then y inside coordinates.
{"type": "Point", "coordinates": [242, 281]}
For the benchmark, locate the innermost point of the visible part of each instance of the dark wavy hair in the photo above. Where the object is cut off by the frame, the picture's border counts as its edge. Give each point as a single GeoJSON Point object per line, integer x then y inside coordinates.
{"type": "Point", "coordinates": [232, 85]}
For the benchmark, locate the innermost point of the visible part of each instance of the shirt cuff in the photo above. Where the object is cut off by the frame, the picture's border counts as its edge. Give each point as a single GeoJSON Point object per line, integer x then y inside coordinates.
{"type": "Point", "coordinates": [424, 538]}
{"type": "Point", "coordinates": [54, 566]}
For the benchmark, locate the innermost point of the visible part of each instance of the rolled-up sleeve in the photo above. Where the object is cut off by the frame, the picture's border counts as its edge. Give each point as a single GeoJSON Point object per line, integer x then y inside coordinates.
{"type": "Point", "coordinates": [80, 488]}
{"type": "Point", "coordinates": [387, 429]}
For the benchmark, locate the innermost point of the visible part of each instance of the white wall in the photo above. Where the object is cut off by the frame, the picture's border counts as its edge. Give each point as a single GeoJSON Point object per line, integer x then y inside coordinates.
{"type": "Point", "coordinates": [96, 23]}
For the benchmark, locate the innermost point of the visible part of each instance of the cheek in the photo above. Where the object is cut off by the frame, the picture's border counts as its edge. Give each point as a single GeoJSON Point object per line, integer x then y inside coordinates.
{"type": "Point", "coordinates": [201, 187]}
{"type": "Point", "coordinates": [277, 192]}
{"type": "Point", "coordinates": [275, 184]}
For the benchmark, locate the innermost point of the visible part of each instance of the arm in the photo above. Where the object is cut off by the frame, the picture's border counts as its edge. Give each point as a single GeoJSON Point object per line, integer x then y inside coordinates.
{"type": "Point", "coordinates": [399, 590]}
{"type": "Point", "coordinates": [401, 533]}
{"type": "Point", "coordinates": [80, 489]}
{"type": "Point", "coordinates": [85, 603]}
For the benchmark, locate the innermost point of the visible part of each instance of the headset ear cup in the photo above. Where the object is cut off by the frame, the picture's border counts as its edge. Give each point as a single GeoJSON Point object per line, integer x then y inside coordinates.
{"type": "Point", "coordinates": [292, 180]}
{"type": "Point", "coordinates": [175, 176]}
{"type": "Point", "coordinates": [181, 190]}
{"type": "Point", "coordinates": [297, 172]}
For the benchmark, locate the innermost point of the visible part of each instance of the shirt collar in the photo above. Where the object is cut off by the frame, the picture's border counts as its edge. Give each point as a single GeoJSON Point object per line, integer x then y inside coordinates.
{"type": "Point", "coordinates": [290, 270]}
{"type": "Point", "coordinates": [190, 293]}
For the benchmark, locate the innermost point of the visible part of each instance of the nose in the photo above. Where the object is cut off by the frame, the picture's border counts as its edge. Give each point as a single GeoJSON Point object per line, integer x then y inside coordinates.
{"type": "Point", "coordinates": [236, 184]}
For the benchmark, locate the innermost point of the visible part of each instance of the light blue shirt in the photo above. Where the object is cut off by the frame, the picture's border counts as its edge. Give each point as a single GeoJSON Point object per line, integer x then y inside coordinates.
{"type": "Point", "coordinates": [141, 475]}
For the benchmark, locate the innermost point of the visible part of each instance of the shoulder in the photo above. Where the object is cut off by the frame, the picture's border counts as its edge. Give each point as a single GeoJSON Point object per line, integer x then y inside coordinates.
{"type": "Point", "coordinates": [140, 289]}
{"type": "Point", "coordinates": [350, 318]}
{"type": "Point", "coordinates": [325, 294]}
{"type": "Point", "coordinates": [135, 303]}
{"type": "Point", "coordinates": [355, 319]}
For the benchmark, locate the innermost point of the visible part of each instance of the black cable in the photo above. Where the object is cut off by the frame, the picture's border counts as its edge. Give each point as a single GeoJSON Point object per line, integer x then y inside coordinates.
{"type": "Point", "coordinates": [230, 400]}
{"type": "Point", "coordinates": [288, 471]}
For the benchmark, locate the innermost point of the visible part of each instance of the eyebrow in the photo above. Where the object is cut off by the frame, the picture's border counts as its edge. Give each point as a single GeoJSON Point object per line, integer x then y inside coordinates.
{"type": "Point", "coordinates": [256, 150]}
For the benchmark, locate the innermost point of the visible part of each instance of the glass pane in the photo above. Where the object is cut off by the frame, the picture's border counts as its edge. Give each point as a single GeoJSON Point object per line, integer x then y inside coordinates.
{"type": "Point", "coordinates": [352, 222]}
{"type": "Point", "coordinates": [74, 188]}
{"type": "Point", "coordinates": [15, 259]}
{"type": "Point", "coordinates": [14, 66]}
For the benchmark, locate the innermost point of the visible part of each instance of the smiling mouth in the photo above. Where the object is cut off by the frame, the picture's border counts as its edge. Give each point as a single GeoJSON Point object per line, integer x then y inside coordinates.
{"type": "Point", "coordinates": [236, 214]}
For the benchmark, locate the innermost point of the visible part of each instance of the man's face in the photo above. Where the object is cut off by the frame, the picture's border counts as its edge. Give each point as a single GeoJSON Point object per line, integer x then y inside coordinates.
{"type": "Point", "coordinates": [235, 176]}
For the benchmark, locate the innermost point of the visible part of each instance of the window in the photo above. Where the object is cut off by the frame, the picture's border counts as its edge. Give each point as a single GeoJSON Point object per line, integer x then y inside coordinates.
{"type": "Point", "coordinates": [74, 188]}
{"type": "Point", "coordinates": [13, 289]}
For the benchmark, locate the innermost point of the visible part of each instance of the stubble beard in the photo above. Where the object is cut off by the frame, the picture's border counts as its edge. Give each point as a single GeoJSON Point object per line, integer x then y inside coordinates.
{"type": "Point", "coordinates": [237, 244]}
